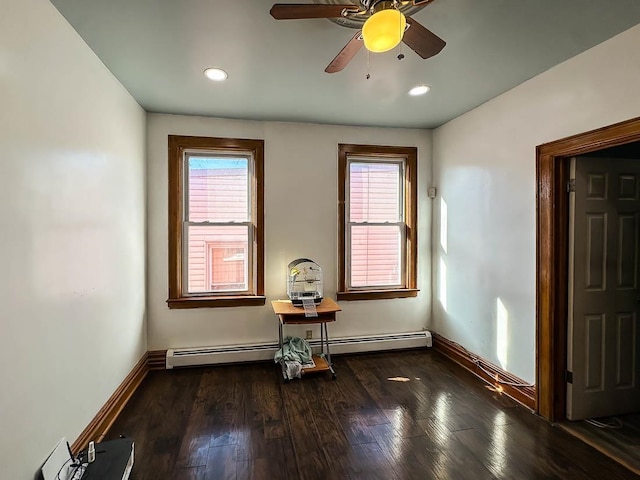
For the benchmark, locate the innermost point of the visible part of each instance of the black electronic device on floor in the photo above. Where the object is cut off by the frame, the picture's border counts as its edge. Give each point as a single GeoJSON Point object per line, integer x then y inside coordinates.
{"type": "Point", "coordinates": [113, 460]}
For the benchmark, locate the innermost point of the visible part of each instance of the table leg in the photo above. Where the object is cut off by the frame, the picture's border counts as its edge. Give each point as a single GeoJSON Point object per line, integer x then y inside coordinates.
{"type": "Point", "coordinates": [326, 337]}
{"type": "Point", "coordinates": [281, 341]}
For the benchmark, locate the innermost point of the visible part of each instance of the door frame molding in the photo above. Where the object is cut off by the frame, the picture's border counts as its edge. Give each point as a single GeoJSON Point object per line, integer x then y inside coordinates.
{"type": "Point", "coordinates": [552, 211]}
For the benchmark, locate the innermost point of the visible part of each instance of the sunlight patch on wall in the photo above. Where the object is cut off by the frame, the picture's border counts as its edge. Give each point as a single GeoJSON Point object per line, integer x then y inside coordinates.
{"type": "Point", "coordinates": [443, 224]}
{"type": "Point", "coordinates": [502, 333]}
{"type": "Point", "coordinates": [442, 284]}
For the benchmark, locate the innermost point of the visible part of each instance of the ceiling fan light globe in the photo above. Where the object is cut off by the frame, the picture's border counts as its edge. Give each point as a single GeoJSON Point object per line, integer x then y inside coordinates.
{"type": "Point", "coordinates": [384, 30]}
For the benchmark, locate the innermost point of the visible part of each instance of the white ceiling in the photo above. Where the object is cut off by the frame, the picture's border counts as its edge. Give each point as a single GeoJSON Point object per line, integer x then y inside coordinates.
{"type": "Point", "coordinates": [159, 49]}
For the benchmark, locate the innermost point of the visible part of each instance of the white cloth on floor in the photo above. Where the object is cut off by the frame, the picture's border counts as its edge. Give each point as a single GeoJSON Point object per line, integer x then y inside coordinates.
{"type": "Point", "coordinates": [292, 369]}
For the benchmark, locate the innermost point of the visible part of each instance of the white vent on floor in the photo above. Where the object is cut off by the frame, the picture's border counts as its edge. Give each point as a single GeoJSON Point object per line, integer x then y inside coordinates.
{"type": "Point", "coordinates": [190, 357]}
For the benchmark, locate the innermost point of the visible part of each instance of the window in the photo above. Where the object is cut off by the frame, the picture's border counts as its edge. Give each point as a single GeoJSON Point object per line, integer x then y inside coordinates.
{"type": "Point", "coordinates": [215, 222]}
{"type": "Point", "coordinates": [377, 196]}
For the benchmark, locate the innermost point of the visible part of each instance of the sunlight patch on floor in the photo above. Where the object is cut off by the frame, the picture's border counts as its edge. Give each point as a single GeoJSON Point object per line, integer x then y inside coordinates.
{"type": "Point", "coordinates": [399, 379]}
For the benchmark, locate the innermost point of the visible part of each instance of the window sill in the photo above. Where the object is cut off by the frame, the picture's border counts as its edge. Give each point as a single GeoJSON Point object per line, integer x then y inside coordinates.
{"type": "Point", "coordinates": [214, 302]}
{"type": "Point", "coordinates": [378, 294]}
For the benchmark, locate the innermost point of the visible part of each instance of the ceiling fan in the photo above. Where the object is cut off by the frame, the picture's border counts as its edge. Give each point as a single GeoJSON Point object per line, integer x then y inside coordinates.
{"type": "Point", "coordinates": [385, 26]}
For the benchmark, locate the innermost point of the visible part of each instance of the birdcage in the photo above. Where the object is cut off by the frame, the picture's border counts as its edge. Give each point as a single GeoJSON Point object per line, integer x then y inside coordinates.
{"type": "Point", "coordinates": [304, 281]}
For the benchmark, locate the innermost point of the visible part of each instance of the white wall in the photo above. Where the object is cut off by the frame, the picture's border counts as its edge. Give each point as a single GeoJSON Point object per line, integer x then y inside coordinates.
{"type": "Point", "coordinates": [301, 209]}
{"type": "Point", "coordinates": [484, 167]}
{"type": "Point", "coordinates": [72, 225]}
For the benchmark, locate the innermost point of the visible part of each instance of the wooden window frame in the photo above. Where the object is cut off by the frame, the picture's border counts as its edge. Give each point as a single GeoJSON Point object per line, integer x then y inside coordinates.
{"type": "Point", "coordinates": [177, 147]}
{"type": "Point", "coordinates": [410, 157]}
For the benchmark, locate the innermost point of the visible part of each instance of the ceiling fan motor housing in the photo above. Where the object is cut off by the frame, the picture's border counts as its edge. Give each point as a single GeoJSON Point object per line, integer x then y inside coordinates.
{"type": "Point", "coordinates": [369, 7]}
{"type": "Point", "coordinates": [373, 6]}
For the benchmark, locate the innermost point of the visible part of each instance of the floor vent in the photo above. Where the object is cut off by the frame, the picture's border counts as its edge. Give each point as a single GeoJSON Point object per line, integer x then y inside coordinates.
{"type": "Point", "coordinates": [191, 357]}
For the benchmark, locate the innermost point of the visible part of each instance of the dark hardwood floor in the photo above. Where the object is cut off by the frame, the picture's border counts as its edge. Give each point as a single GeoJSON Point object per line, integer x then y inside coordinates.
{"type": "Point", "coordinates": [242, 421]}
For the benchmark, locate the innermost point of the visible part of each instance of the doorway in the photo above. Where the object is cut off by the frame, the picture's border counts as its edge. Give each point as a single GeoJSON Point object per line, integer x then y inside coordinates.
{"type": "Point", "coordinates": [552, 258]}
{"type": "Point", "coordinates": [604, 292]}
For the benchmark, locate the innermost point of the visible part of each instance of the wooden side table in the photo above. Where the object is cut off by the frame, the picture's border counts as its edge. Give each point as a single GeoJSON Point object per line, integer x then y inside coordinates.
{"type": "Point", "coordinates": [288, 314]}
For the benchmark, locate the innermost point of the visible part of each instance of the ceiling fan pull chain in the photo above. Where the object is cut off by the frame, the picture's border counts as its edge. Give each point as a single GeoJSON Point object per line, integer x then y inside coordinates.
{"type": "Point", "coordinates": [400, 54]}
{"type": "Point", "coordinates": [368, 65]}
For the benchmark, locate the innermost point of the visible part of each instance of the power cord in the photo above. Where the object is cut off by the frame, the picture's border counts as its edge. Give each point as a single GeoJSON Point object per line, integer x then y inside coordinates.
{"type": "Point", "coordinates": [78, 467]}
{"type": "Point", "coordinates": [62, 468]}
{"type": "Point", "coordinates": [478, 363]}
{"type": "Point", "coordinates": [495, 376]}
{"type": "Point", "coordinates": [613, 422]}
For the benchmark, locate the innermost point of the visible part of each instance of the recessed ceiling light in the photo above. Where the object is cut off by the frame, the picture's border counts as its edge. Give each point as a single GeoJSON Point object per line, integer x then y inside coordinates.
{"type": "Point", "coordinates": [216, 74]}
{"type": "Point", "coordinates": [419, 90]}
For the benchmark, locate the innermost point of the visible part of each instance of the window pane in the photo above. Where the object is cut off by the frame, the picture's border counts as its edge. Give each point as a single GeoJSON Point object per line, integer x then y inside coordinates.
{"type": "Point", "coordinates": [374, 192]}
{"type": "Point", "coordinates": [375, 255]}
{"type": "Point", "coordinates": [218, 258]}
{"type": "Point", "coordinates": [218, 189]}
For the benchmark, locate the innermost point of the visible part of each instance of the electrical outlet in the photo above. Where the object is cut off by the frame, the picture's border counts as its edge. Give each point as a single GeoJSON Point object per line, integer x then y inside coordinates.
{"type": "Point", "coordinates": [309, 334]}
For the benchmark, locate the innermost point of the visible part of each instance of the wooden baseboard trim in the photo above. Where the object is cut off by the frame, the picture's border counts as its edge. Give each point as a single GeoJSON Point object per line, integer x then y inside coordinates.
{"type": "Point", "coordinates": [487, 371]}
{"type": "Point", "coordinates": [157, 359]}
{"type": "Point", "coordinates": [99, 426]}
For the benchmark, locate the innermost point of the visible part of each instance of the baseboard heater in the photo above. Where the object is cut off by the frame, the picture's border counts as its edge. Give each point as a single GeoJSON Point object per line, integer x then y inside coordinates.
{"type": "Point", "coordinates": [191, 357]}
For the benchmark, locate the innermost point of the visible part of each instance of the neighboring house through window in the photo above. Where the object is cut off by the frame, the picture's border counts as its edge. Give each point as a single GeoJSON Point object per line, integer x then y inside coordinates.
{"type": "Point", "coordinates": [377, 199]}
{"type": "Point", "coordinates": [216, 231]}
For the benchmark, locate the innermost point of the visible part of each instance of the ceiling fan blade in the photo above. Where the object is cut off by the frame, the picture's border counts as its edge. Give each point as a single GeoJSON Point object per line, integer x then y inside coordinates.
{"type": "Point", "coordinates": [419, 3]}
{"type": "Point", "coordinates": [294, 11]}
{"type": "Point", "coordinates": [422, 41]}
{"type": "Point", "coordinates": [346, 54]}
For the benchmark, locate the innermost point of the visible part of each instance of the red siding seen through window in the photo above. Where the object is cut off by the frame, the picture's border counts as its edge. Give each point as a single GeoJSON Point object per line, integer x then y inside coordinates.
{"type": "Point", "coordinates": [375, 198]}
{"type": "Point", "coordinates": [218, 253]}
